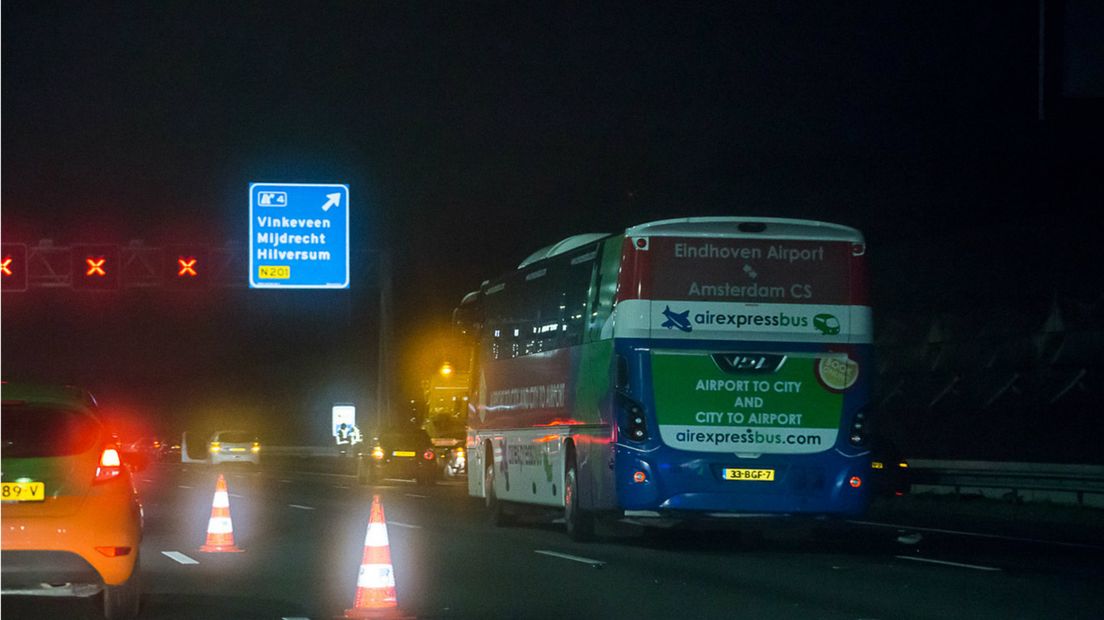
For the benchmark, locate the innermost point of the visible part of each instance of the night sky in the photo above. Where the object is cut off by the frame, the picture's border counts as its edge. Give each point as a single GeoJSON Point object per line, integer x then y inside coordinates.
{"type": "Point", "coordinates": [473, 134]}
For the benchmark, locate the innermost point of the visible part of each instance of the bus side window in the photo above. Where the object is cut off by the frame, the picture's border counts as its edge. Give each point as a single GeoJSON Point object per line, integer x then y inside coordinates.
{"type": "Point", "coordinates": [576, 289]}
{"type": "Point", "coordinates": [605, 288]}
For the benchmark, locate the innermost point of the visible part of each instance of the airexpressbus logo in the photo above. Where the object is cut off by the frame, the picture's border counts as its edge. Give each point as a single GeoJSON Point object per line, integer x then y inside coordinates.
{"type": "Point", "coordinates": [679, 320]}
{"type": "Point", "coordinates": [825, 324]}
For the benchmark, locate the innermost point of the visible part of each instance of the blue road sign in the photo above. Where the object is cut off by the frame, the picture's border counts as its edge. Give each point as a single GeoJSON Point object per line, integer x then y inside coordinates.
{"type": "Point", "coordinates": [298, 235]}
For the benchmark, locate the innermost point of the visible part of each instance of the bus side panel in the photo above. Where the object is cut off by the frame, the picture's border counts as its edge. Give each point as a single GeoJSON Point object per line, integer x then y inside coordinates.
{"type": "Point", "coordinates": [593, 378]}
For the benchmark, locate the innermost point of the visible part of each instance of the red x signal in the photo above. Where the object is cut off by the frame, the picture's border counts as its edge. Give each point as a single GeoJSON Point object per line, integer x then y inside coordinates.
{"type": "Point", "coordinates": [5, 266]}
{"type": "Point", "coordinates": [187, 267]}
{"type": "Point", "coordinates": [95, 267]}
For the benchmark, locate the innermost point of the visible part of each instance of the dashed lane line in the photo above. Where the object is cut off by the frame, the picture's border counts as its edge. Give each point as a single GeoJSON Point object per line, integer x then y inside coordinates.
{"type": "Point", "coordinates": [946, 563]}
{"type": "Point", "coordinates": [300, 507]}
{"type": "Point", "coordinates": [179, 557]}
{"type": "Point", "coordinates": [1039, 541]}
{"type": "Point", "coordinates": [573, 558]}
{"type": "Point", "coordinates": [183, 486]}
{"type": "Point", "coordinates": [416, 495]}
{"type": "Point", "coordinates": [406, 525]}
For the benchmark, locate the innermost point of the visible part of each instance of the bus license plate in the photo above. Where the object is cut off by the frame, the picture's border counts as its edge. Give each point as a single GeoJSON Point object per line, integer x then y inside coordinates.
{"type": "Point", "coordinates": [23, 492]}
{"type": "Point", "coordinates": [764, 475]}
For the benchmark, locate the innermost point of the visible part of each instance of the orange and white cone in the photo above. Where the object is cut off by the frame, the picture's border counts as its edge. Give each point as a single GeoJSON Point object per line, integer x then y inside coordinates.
{"type": "Point", "coordinates": [375, 595]}
{"type": "Point", "coordinates": [220, 531]}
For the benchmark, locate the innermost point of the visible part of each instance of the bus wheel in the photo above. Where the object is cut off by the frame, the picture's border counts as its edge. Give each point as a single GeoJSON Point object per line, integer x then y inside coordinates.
{"type": "Point", "coordinates": [579, 523]}
{"type": "Point", "coordinates": [497, 512]}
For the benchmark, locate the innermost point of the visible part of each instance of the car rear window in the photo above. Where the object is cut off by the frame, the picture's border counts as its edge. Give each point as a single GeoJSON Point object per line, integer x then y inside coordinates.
{"type": "Point", "coordinates": [235, 437]}
{"type": "Point", "coordinates": [30, 431]}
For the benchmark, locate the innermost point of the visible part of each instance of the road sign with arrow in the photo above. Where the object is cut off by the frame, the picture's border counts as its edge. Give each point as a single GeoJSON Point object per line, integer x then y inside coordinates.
{"type": "Point", "coordinates": [298, 235]}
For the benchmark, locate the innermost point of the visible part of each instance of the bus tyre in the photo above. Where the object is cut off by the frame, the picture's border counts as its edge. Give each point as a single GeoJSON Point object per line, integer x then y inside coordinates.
{"type": "Point", "coordinates": [495, 509]}
{"type": "Point", "coordinates": [579, 523]}
{"type": "Point", "coordinates": [122, 601]}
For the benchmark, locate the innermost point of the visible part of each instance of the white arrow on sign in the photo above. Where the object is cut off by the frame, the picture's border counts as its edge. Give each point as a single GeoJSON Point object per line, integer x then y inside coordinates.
{"type": "Point", "coordinates": [334, 201]}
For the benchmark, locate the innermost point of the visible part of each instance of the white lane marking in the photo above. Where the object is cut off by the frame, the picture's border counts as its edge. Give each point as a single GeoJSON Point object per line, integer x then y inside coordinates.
{"type": "Point", "coordinates": [146, 480]}
{"type": "Point", "coordinates": [294, 618]}
{"type": "Point", "coordinates": [407, 525]}
{"type": "Point", "coordinates": [183, 486]}
{"type": "Point", "coordinates": [286, 481]}
{"type": "Point", "coordinates": [416, 495]}
{"type": "Point", "coordinates": [179, 557]}
{"type": "Point", "coordinates": [946, 563]}
{"type": "Point", "coordinates": [978, 534]}
{"type": "Point", "coordinates": [573, 558]}
{"type": "Point", "coordinates": [237, 496]}
{"type": "Point", "coordinates": [300, 507]}
{"type": "Point", "coordinates": [340, 486]}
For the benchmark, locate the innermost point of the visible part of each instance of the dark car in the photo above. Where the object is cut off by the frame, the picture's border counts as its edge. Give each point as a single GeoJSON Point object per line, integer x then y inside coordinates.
{"type": "Point", "coordinates": [400, 453]}
{"type": "Point", "coordinates": [889, 471]}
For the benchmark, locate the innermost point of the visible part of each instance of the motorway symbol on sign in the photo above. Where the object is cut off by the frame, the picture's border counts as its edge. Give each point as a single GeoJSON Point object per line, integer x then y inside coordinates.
{"type": "Point", "coordinates": [298, 235]}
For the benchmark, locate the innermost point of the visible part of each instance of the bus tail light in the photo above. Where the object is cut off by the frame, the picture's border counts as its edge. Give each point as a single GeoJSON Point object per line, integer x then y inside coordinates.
{"type": "Point", "coordinates": [859, 430]}
{"type": "Point", "coordinates": [855, 482]}
{"type": "Point", "coordinates": [639, 477]}
{"type": "Point", "coordinates": [635, 422]}
{"type": "Point", "coordinates": [109, 467]}
{"type": "Point", "coordinates": [428, 455]}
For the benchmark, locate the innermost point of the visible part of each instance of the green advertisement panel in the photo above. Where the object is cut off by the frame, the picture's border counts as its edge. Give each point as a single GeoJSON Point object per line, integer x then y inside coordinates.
{"type": "Point", "coordinates": [783, 409]}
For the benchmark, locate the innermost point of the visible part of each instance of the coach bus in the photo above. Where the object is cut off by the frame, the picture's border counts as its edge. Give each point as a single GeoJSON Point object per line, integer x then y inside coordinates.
{"type": "Point", "coordinates": [684, 369]}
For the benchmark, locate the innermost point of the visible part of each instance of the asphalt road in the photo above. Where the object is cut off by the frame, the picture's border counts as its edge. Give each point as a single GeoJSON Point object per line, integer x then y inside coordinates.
{"type": "Point", "coordinates": [303, 534]}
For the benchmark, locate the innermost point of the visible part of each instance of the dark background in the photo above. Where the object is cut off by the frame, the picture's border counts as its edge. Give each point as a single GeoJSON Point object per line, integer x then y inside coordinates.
{"type": "Point", "coordinates": [473, 134]}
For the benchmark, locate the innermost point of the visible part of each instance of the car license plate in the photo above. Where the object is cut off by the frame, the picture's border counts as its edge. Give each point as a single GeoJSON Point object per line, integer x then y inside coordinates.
{"type": "Point", "coordinates": [403, 453]}
{"type": "Point", "coordinates": [237, 449]}
{"type": "Point", "coordinates": [23, 491]}
{"type": "Point", "coordinates": [762, 475]}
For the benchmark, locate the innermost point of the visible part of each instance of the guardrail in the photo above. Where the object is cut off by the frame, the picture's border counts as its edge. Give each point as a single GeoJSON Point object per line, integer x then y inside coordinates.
{"type": "Point", "coordinates": [1029, 482]}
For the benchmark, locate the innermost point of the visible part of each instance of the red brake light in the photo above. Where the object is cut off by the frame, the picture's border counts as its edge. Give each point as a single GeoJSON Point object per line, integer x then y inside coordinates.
{"type": "Point", "coordinates": [112, 552]}
{"type": "Point", "coordinates": [428, 455]}
{"type": "Point", "coordinates": [111, 465]}
{"type": "Point", "coordinates": [855, 482]}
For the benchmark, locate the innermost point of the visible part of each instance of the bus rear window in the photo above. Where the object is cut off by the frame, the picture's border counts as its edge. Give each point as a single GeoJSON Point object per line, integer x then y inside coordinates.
{"type": "Point", "coordinates": [750, 270]}
{"type": "Point", "coordinates": [33, 431]}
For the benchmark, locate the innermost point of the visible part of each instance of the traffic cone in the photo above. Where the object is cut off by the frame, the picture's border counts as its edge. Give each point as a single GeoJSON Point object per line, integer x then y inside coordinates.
{"type": "Point", "coordinates": [220, 531]}
{"type": "Point", "coordinates": [375, 595]}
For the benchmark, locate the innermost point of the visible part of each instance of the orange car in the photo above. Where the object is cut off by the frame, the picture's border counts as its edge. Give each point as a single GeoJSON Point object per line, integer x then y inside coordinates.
{"type": "Point", "coordinates": [70, 516]}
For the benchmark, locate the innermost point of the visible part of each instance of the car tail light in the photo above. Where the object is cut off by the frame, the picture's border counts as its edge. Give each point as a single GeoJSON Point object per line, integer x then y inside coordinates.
{"type": "Point", "coordinates": [216, 446]}
{"type": "Point", "coordinates": [377, 453]}
{"type": "Point", "coordinates": [855, 482]}
{"type": "Point", "coordinates": [256, 446]}
{"type": "Point", "coordinates": [428, 455]}
{"type": "Point", "coordinates": [110, 466]}
{"type": "Point", "coordinates": [113, 552]}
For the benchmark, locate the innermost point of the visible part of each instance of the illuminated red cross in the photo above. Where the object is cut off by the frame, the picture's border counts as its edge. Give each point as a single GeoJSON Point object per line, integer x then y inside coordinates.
{"type": "Point", "coordinates": [187, 267]}
{"type": "Point", "coordinates": [5, 266]}
{"type": "Point", "coordinates": [95, 267]}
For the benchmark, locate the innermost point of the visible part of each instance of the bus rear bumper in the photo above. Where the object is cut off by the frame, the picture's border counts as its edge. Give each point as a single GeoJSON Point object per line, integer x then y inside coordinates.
{"type": "Point", "coordinates": [832, 486]}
